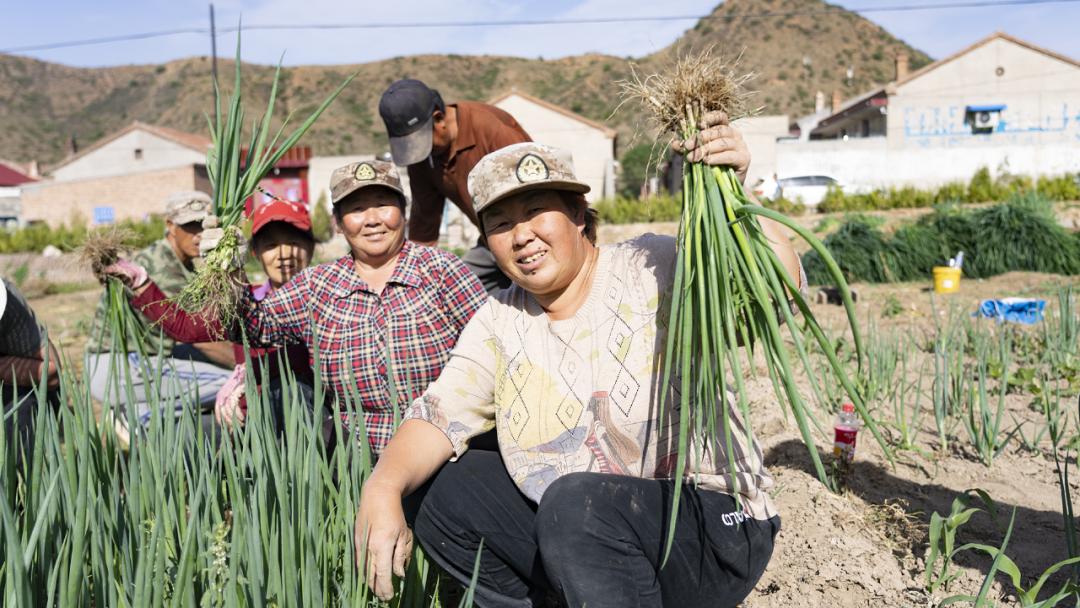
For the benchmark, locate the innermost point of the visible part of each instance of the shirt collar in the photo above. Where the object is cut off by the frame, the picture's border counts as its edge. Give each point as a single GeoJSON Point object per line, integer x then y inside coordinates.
{"type": "Point", "coordinates": [407, 272]}
{"type": "Point", "coordinates": [465, 135]}
{"type": "Point", "coordinates": [259, 292]}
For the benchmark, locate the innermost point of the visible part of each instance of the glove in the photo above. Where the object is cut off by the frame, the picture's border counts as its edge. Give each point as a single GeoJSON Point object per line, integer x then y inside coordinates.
{"type": "Point", "coordinates": [212, 236]}
{"type": "Point", "coordinates": [227, 410]}
{"type": "Point", "coordinates": [132, 275]}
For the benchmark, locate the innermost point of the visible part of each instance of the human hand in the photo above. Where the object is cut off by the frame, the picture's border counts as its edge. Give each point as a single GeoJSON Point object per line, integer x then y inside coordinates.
{"type": "Point", "coordinates": [718, 143]}
{"type": "Point", "coordinates": [212, 236]}
{"type": "Point", "coordinates": [382, 539]}
{"type": "Point", "coordinates": [132, 275]}
{"type": "Point", "coordinates": [227, 410]}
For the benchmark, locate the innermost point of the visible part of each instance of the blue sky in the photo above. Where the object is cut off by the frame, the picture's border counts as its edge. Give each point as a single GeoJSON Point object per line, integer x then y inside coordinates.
{"type": "Point", "coordinates": [938, 32]}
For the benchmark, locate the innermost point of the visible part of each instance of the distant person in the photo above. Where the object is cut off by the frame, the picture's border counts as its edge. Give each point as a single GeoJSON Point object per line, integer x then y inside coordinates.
{"type": "Point", "coordinates": [440, 144]}
{"type": "Point", "coordinates": [23, 347]}
{"type": "Point", "coordinates": [282, 241]}
{"type": "Point", "coordinates": [191, 374]}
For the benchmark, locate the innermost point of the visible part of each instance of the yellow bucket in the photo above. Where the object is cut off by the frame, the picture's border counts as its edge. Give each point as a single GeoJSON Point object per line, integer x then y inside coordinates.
{"type": "Point", "coordinates": [946, 279]}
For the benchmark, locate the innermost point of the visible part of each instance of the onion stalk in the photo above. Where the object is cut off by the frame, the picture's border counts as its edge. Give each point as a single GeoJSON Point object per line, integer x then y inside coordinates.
{"type": "Point", "coordinates": [730, 288]}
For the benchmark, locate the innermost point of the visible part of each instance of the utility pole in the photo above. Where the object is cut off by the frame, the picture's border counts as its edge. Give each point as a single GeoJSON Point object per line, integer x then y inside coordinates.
{"type": "Point", "coordinates": [213, 44]}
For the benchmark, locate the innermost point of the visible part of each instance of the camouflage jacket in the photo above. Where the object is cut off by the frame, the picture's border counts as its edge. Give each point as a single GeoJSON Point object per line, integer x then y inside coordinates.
{"type": "Point", "coordinates": [166, 271]}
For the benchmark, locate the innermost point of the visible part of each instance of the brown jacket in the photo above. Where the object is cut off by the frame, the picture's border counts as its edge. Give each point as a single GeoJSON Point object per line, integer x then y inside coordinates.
{"type": "Point", "coordinates": [482, 129]}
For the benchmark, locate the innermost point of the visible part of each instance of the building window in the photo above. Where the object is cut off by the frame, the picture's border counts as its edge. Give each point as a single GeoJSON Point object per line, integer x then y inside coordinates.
{"type": "Point", "coordinates": [138, 153]}
{"type": "Point", "coordinates": [985, 119]}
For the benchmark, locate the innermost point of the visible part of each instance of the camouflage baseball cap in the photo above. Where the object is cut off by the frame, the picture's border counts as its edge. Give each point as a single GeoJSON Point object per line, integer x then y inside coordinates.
{"type": "Point", "coordinates": [520, 168]}
{"type": "Point", "coordinates": [354, 176]}
{"type": "Point", "coordinates": [187, 207]}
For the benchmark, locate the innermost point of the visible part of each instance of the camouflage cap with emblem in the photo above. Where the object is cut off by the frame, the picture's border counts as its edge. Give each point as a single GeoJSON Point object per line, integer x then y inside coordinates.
{"type": "Point", "coordinates": [355, 176]}
{"type": "Point", "coordinates": [187, 207]}
{"type": "Point", "coordinates": [520, 168]}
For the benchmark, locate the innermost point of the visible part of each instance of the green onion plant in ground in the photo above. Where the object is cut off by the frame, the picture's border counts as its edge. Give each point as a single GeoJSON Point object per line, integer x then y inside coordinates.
{"type": "Point", "coordinates": [185, 517]}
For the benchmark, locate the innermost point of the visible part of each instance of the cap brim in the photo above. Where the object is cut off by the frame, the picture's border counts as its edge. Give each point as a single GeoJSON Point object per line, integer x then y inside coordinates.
{"type": "Point", "coordinates": [361, 186]}
{"type": "Point", "coordinates": [412, 148]}
{"type": "Point", "coordinates": [281, 217]}
{"type": "Point", "coordinates": [188, 217]}
{"type": "Point", "coordinates": [562, 185]}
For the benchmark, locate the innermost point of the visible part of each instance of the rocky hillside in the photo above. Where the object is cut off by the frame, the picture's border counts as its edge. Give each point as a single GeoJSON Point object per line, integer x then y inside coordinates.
{"type": "Point", "coordinates": [794, 50]}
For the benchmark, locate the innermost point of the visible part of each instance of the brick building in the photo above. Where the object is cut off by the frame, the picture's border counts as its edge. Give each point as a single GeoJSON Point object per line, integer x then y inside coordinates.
{"type": "Point", "coordinates": [125, 175]}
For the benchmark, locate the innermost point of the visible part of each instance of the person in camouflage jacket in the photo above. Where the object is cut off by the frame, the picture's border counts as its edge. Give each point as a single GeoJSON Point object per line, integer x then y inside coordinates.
{"type": "Point", "coordinates": [190, 374]}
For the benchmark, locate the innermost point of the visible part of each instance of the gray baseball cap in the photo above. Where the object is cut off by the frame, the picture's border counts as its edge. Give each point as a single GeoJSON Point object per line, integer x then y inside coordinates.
{"type": "Point", "coordinates": [520, 168]}
{"type": "Point", "coordinates": [406, 108]}
{"type": "Point", "coordinates": [187, 207]}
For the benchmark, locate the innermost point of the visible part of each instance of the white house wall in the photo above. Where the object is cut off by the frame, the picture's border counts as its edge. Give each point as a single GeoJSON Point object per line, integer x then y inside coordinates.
{"type": "Point", "coordinates": [871, 162]}
{"type": "Point", "coordinates": [1041, 94]}
{"type": "Point", "coordinates": [117, 157]}
{"type": "Point", "coordinates": [927, 142]}
{"type": "Point", "coordinates": [592, 148]}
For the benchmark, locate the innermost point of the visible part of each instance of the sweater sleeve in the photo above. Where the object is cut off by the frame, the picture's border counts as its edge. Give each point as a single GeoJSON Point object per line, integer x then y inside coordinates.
{"type": "Point", "coordinates": [460, 402]}
{"type": "Point", "coordinates": [177, 323]}
{"type": "Point", "coordinates": [281, 318]}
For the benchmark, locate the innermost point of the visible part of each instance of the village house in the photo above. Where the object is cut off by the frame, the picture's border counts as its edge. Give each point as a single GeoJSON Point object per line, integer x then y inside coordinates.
{"type": "Point", "coordinates": [13, 178]}
{"type": "Point", "coordinates": [1001, 103]}
{"type": "Point", "coordinates": [129, 174]}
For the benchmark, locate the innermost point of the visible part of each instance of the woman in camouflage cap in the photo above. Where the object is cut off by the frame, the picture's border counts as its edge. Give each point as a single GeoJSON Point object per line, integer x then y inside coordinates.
{"type": "Point", "coordinates": [567, 366]}
{"type": "Point", "coordinates": [386, 296]}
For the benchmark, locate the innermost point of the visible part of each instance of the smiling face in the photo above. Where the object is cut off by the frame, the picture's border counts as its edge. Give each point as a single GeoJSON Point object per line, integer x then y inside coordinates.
{"type": "Point", "coordinates": [373, 223]}
{"type": "Point", "coordinates": [283, 250]}
{"type": "Point", "coordinates": [538, 241]}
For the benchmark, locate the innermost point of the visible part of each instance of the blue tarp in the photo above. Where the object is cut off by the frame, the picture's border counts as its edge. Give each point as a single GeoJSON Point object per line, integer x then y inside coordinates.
{"type": "Point", "coordinates": [1013, 310]}
{"type": "Point", "coordinates": [989, 108]}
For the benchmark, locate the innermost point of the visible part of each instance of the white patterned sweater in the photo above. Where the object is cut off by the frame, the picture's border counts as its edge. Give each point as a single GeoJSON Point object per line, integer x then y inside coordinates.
{"type": "Point", "coordinates": [583, 394]}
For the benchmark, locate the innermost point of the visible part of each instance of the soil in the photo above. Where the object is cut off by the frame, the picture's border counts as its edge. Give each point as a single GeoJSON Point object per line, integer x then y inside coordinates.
{"type": "Point", "coordinates": [866, 545]}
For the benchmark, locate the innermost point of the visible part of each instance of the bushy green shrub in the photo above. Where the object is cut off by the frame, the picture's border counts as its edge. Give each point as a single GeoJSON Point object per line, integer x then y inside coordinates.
{"type": "Point", "coordinates": [1020, 234]}
{"type": "Point", "coordinates": [631, 210]}
{"type": "Point", "coordinates": [68, 237]}
{"type": "Point", "coordinates": [981, 188]}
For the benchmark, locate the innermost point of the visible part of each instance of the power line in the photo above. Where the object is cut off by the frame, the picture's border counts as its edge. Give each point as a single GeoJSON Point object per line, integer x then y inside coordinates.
{"type": "Point", "coordinates": [968, 4]}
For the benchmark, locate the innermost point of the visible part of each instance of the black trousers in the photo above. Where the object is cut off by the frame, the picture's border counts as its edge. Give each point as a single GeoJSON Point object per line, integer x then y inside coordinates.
{"type": "Point", "coordinates": [595, 539]}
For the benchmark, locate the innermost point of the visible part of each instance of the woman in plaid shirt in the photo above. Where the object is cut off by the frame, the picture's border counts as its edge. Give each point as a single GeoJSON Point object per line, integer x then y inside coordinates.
{"type": "Point", "coordinates": [382, 319]}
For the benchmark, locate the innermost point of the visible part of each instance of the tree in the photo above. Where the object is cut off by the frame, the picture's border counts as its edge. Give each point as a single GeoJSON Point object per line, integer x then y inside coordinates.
{"type": "Point", "coordinates": [322, 223]}
{"type": "Point", "coordinates": [635, 168]}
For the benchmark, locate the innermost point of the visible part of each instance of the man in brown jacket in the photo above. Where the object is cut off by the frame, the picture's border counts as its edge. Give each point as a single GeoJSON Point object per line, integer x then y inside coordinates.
{"type": "Point", "coordinates": [440, 144]}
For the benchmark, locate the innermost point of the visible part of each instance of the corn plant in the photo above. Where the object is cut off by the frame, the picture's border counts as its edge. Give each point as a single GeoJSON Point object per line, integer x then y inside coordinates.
{"type": "Point", "coordinates": [1029, 597]}
{"type": "Point", "coordinates": [942, 539]}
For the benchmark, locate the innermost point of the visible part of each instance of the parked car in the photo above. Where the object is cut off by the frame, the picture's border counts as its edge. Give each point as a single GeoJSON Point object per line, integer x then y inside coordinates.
{"type": "Point", "coordinates": [809, 189]}
{"type": "Point", "coordinates": [767, 187]}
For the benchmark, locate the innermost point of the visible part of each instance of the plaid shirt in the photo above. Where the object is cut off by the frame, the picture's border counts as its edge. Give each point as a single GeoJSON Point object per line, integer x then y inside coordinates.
{"type": "Point", "coordinates": [429, 298]}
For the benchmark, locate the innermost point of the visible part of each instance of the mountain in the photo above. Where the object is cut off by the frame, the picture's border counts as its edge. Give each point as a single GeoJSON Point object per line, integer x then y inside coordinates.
{"type": "Point", "coordinates": [792, 47]}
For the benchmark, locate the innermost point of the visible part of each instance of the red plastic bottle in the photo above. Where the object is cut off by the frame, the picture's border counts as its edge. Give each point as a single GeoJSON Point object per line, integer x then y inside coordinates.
{"type": "Point", "coordinates": [845, 430]}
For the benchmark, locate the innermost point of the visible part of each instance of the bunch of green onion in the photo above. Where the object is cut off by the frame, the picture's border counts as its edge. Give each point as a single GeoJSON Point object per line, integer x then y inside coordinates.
{"type": "Point", "coordinates": [234, 178]}
{"type": "Point", "coordinates": [730, 288]}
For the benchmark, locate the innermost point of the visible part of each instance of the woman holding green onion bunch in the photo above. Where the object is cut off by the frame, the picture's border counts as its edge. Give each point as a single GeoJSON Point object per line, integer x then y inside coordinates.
{"type": "Point", "coordinates": [567, 365]}
{"type": "Point", "coordinates": [382, 319]}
